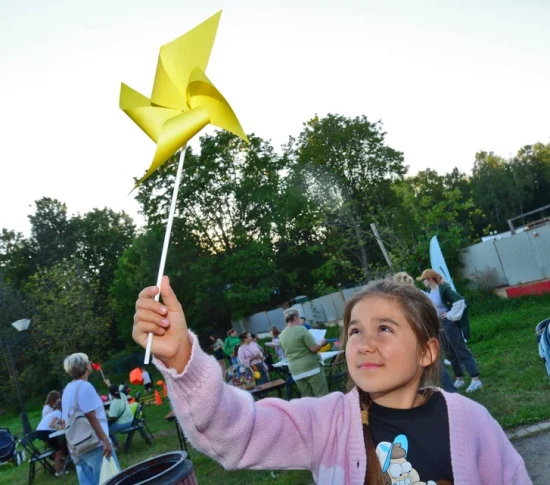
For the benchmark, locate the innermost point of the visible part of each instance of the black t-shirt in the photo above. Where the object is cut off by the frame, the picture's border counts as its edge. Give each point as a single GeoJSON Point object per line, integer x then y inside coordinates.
{"type": "Point", "coordinates": [413, 443]}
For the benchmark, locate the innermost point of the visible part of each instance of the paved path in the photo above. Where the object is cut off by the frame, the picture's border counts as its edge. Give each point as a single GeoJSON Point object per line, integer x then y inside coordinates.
{"type": "Point", "coordinates": [534, 451]}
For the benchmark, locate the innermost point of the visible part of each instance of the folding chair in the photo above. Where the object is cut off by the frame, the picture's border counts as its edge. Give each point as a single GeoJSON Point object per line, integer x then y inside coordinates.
{"type": "Point", "coordinates": [138, 424]}
{"type": "Point", "coordinates": [290, 388]}
{"type": "Point", "coordinates": [37, 456]}
{"type": "Point", "coordinates": [141, 418]}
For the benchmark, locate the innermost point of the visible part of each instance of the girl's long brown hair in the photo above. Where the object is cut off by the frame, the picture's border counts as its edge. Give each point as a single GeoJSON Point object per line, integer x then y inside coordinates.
{"type": "Point", "coordinates": [52, 398]}
{"type": "Point", "coordinates": [422, 317]}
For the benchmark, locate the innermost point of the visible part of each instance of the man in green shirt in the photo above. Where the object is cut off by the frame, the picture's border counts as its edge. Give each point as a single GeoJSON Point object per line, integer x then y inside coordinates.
{"type": "Point", "coordinates": [301, 349]}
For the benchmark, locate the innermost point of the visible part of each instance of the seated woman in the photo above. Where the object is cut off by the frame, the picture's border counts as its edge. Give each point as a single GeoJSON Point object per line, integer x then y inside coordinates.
{"type": "Point", "coordinates": [120, 414]}
{"type": "Point", "coordinates": [50, 423]}
{"type": "Point", "coordinates": [251, 354]}
{"type": "Point", "coordinates": [51, 399]}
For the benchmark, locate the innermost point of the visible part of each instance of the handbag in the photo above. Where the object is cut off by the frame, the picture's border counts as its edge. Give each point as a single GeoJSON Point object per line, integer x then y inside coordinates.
{"type": "Point", "coordinates": [80, 435]}
{"type": "Point", "coordinates": [109, 469]}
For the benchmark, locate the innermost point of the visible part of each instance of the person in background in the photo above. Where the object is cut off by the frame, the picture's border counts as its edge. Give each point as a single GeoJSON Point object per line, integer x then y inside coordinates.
{"type": "Point", "coordinates": [304, 323]}
{"type": "Point", "coordinates": [52, 422]}
{"type": "Point", "coordinates": [275, 343]}
{"type": "Point", "coordinates": [217, 347]}
{"type": "Point", "coordinates": [51, 400]}
{"type": "Point", "coordinates": [301, 350]}
{"type": "Point", "coordinates": [120, 415]}
{"type": "Point", "coordinates": [88, 466]}
{"type": "Point", "coordinates": [251, 354]}
{"type": "Point", "coordinates": [254, 338]}
{"type": "Point", "coordinates": [444, 377]}
{"type": "Point", "coordinates": [147, 384]}
{"type": "Point", "coordinates": [451, 309]}
{"type": "Point", "coordinates": [229, 345]}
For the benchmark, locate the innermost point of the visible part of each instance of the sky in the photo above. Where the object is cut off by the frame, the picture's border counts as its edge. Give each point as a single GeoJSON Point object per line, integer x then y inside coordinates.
{"type": "Point", "coordinates": [446, 78]}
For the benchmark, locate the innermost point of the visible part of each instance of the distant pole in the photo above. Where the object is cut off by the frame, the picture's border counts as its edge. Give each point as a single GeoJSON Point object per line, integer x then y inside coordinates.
{"type": "Point", "coordinates": [381, 244]}
{"type": "Point", "coordinates": [24, 418]}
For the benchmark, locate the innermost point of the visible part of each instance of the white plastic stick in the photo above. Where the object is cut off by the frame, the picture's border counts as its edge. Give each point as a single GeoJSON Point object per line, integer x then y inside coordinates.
{"type": "Point", "coordinates": [166, 242]}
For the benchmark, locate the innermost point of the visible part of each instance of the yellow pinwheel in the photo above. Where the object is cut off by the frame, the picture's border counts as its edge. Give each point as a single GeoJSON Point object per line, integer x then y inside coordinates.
{"type": "Point", "coordinates": [184, 100]}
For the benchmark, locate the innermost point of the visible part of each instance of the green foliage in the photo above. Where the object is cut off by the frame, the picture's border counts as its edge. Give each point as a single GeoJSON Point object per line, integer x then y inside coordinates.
{"type": "Point", "coordinates": [253, 229]}
{"type": "Point", "coordinates": [64, 321]}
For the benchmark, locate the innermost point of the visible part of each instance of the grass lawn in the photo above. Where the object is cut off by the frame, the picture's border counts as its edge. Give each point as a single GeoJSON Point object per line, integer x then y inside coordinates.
{"type": "Point", "coordinates": [516, 391]}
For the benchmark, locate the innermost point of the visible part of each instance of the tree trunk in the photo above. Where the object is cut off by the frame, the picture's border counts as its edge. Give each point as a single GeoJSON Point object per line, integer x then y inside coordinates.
{"type": "Point", "coordinates": [362, 250]}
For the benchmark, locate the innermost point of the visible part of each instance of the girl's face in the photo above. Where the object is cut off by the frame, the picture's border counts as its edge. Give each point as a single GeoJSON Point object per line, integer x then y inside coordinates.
{"type": "Point", "coordinates": [382, 350]}
{"type": "Point", "coordinates": [248, 339]}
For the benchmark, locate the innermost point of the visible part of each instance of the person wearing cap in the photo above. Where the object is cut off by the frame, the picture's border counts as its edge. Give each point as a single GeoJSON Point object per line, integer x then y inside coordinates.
{"type": "Point", "coordinates": [453, 313]}
{"type": "Point", "coordinates": [445, 379]}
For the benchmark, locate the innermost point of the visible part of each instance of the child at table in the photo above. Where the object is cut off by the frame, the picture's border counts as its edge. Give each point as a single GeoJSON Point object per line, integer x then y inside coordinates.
{"type": "Point", "coordinates": [275, 332]}
{"type": "Point", "coordinates": [391, 427]}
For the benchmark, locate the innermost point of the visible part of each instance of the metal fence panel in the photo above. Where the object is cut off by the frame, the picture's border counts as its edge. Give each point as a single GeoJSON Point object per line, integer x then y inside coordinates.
{"type": "Point", "coordinates": [238, 325]}
{"type": "Point", "coordinates": [276, 318]}
{"type": "Point", "coordinates": [518, 259]}
{"type": "Point", "coordinates": [257, 323]}
{"type": "Point", "coordinates": [483, 266]}
{"type": "Point", "coordinates": [329, 308]}
{"type": "Point", "coordinates": [349, 292]}
{"type": "Point", "coordinates": [540, 241]}
{"type": "Point", "coordinates": [317, 311]}
{"type": "Point", "coordinates": [308, 311]}
{"type": "Point", "coordinates": [338, 302]}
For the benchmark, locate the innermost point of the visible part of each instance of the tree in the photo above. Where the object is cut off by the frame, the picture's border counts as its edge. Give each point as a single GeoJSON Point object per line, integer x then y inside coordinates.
{"type": "Point", "coordinates": [101, 236]}
{"type": "Point", "coordinates": [429, 207]}
{"type": "Point", "coordinates": [64, 321]}
{"type": "Point", "coordinates": [349, 171]}
{"type": "Point", "coordinates": [229, 204]}
{"type": "Point", "coordinates": [52, 235]}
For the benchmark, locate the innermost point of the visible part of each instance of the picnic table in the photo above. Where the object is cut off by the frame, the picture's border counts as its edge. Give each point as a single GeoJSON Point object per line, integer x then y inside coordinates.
{"type": "Point", "coordinates": [263, 389]}
{"type": "Point", "coordinates": [60, 433]}
{"type": "Point", "coordinates": [324, 357]}
{"type": "Point", "coordinates": [171, 416]}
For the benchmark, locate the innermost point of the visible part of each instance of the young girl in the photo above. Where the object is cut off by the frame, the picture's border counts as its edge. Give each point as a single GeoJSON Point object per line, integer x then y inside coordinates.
{"type": "Point", "coordinates": [389, 428]}
{"type": "Point", "coordinates": [275, 332]}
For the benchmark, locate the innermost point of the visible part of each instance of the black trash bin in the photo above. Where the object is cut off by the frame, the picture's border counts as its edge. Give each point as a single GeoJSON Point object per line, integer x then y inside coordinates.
{"type": "Point", "coordinates": [173, 468]}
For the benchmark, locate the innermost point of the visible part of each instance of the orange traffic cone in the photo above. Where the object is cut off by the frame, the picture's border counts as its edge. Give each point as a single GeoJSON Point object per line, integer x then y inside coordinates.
{"type": "Point", "coordinates": [158, 400]}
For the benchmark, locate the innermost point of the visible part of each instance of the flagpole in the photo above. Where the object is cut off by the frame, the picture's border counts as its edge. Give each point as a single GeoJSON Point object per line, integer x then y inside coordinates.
{"type": "Point", "coordinates": [166, 242]}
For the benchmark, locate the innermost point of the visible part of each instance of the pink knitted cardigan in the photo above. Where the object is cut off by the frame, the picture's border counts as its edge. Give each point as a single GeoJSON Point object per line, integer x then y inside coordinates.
{"type": "Point", "coordinates": [323, 435]}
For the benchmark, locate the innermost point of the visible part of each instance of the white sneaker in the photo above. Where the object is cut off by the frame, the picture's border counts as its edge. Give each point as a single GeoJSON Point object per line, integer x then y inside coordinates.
{"type": "Point", "coordinates": [459, 383]}
{"type": "Point", "coordinates": [475, 385]}
{"type": "Point", "coordinates": [447, 362]}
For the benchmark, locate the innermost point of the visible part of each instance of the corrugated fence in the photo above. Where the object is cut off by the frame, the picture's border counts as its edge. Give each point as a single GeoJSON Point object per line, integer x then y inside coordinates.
{"type": "Point", "coordinates": [327, 308]}
{"type": "Point", "coordinates": [515, 260]}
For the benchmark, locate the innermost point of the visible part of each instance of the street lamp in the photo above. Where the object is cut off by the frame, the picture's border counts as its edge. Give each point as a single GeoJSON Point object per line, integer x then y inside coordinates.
{"type": "Point", "coordinates": [20, 326]}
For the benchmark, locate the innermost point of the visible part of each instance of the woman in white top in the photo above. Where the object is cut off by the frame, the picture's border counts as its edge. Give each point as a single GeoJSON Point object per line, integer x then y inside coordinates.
{"type": "Point", "coordinates": [251, 354]}
{"type": "Point", "coordinates": [50, 423]}
{"type": "Point", "coordinates": [88, 466]}
{"type": "Point", "coordinates": [53, 397]}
